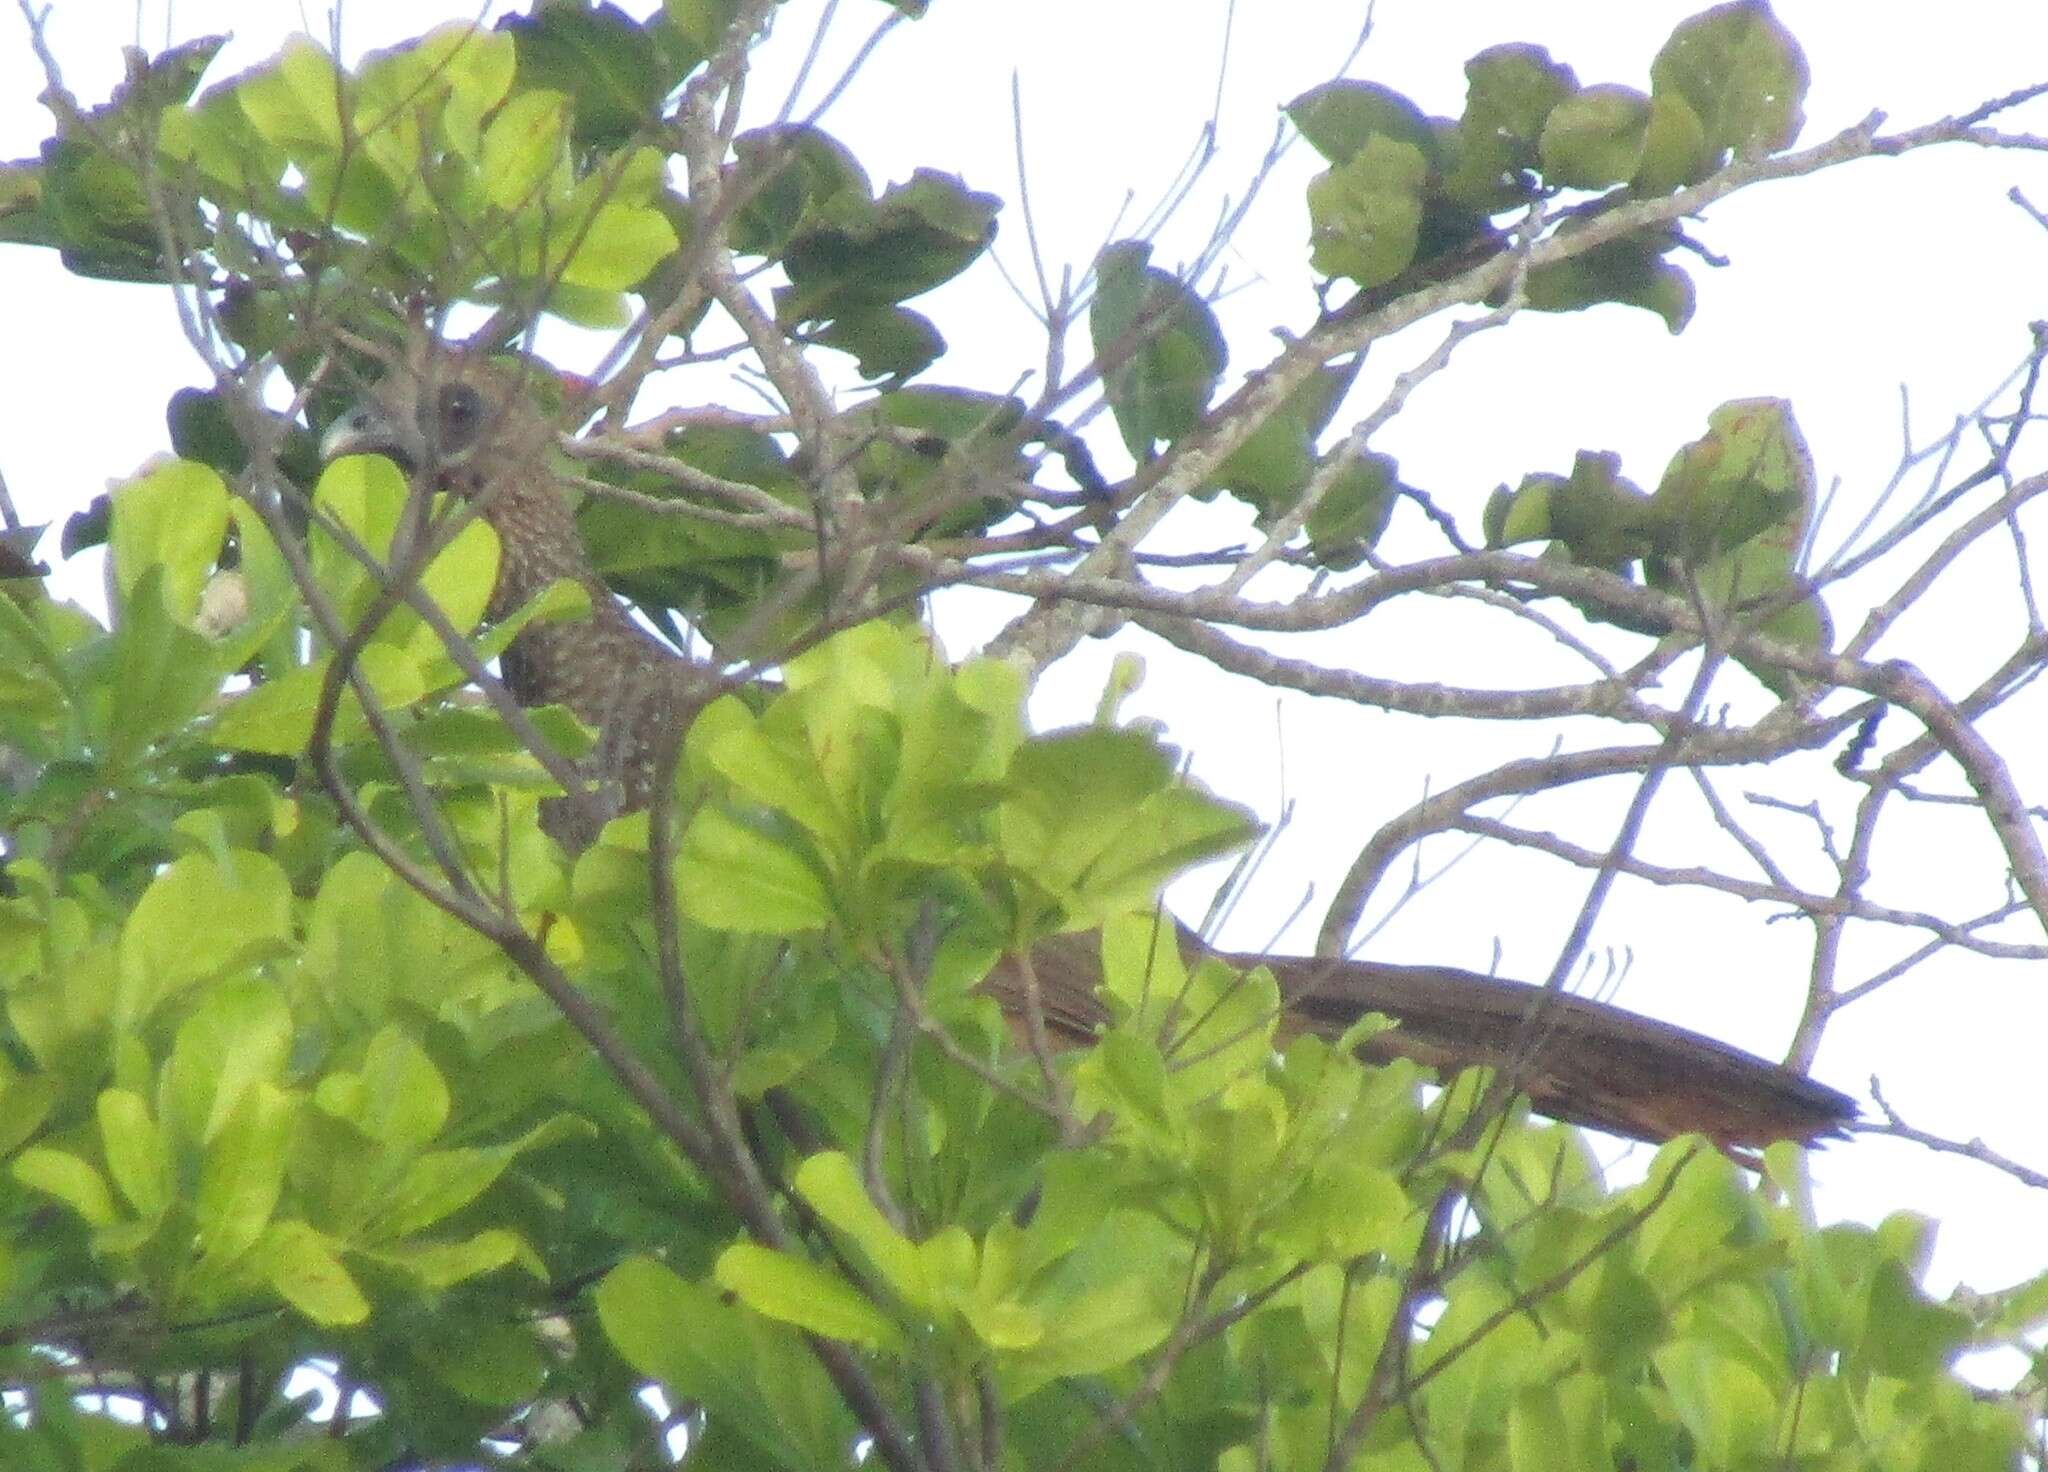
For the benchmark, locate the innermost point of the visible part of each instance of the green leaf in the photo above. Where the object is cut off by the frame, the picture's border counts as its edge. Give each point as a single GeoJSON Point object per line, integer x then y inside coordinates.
{"type": "Point", "coordinates": [216, 138]}
{"type": "Point", "coordinates": [366, 497]}
{"type": "Point", "coordinates": [71, 1180]}
{"type": "Point", "coordinates": [293, 101]}
{"type": "Point", "coordinates": [1094, 816]}
{"type": "Point", "coordinates": [617, 71]}
{"type": "Point", "coordinates": [524, 147]}
{"type": "Point", "coordinates": [493, 1364]}
{"type": "Point", "coordinates": [1125, 1075]}
{"type": "Point", "coordinates": [702, 23]}
{"type": "Point", "coordinates": [773, 762]}
{"type": "Point", "coordinates": [887, 342]}
{"type": "Point", "coordinates": [832, 1185]}
{"type": "Point", "coordinates": [1348, 520]}
{"type": "Point", "coordinates": [202, 432]}
{"type": "Point", "coordinates": [1631, 271]}
{"type": "Point", "coordinates": [403, 1100]}
{"type": "Point", "coordinates": [435, 1266]}
{"type": "Point", "coordinates": [751, 1375]}
{"type": "Point", "coordinates": [788, 175]}
{"type": "Point", "coordinates": [849, 256]}
{"type": "Point", "coordinates": [1072, 794]}
{"type": "Point", "coordinates": [1365, 215]}
{"type": "Point", "coordinates": [1098, 1330]}
{"type": "Point", "coordinates": [1596, 513]}
{"type": "Point", "coordinates": [168, 77]}
{"type": "Point", "coordinates": [1904, 1334]}
{"type": "Point", "coordinates": [1735, 507]}
{"type": "Point", "coordinates": [1340, 119]}
{"type": "Point", "coordinates": [1729, 1410]}
{"type": "Point", "coordinates": [1742, 74]}
{"type": "Point", "coordinates": [1749, 474]}
{"type": "Point", "coordinates": [174, 518]}
{"type": "Point", "coordinates": [1675, 149]}
{"type": "Point", "coordinates": [25, 1103]}
{"type": "Point", "coordinates": [772, 1065]}
{"type": "Point", "coordinates": [277, 716]}
{"type": "Point", "coordinates": [94, 208]}
{"type": "Point", "coordinates": [302, 1266]}
{"type": "Point", "coordinates": [1004, 1326]}
{"type": "Point", "coordinates": [134, 1148]}
{"type": "Point", "coordinates": [796, 1292]}
{"type": "Point", "coordinates": [1160, 343]}
{"type": "Point", "coordinates": [616, 248]}
{"type": "Point", "coordinates": [2018, 1310]}
{"type": "Point", "coordinates": [1510, 91]}
{"type": "Point", "coordinates": [430, 95]}
{"type": "Point", "coordinates": [164, 674]}
{"type": "Point", "coordinates": [238, 1037]}
{"type": "Point", "coordinates": [1348, 1209]}
{"type": "Point", "coordinates": [34, 676]}
{"type": "Point", "coordinates": [242, 1173]}
{"type": "Point", "coordinates": [1536, 1432]}
{"type": "Point", "coordinates": [201, 919]}
{"type": "Point", "coordinates": [435, 1186]}
{"type": "Point", "coordinates": [1595, 138]}
{"type": "Point", "coordinates": [733, 878]}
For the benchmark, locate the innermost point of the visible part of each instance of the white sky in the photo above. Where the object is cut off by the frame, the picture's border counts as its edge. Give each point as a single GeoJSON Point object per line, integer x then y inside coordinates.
{"type": "Point", "coordinates": [1914, 273]}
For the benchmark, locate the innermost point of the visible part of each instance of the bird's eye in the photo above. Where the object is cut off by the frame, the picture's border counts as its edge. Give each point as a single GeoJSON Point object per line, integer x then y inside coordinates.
{"type": "Point", "coordinates": [461, 410]}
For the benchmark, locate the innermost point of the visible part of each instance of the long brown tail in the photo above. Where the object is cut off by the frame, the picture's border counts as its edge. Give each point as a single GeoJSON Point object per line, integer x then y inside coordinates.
{"type": "Point", "coordinates": [1580, 1061]}
{"type": "Point", "coordinates": [1577, 1060]}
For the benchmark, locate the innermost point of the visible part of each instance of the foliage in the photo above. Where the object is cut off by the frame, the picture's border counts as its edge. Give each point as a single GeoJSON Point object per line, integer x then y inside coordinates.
{"type": "Point", "coordinates": [318, 1047]}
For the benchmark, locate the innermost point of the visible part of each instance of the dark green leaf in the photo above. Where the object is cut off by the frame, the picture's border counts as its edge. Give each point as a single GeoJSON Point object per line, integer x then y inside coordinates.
{"type": "Point", "coordinates": [785, 176]}
{"type": "Point", "coordinates": [848, 255]}
{"type": "Point", "coordinates": [1272, 465]}
{"type": "Point", "coordinates": [1741, 72]}
{"type": "Point", "coordinates": [1349, 518]}
{"type": "Point", "coordinates": [701, 23]}
{"type": "Point", "coordinates": [1510, 91]}
{"type": "Point", "coordinates": [888, 342]}
{"type": "Point", "coordinates": [1595, 138]}
{"type": "Point", "coordinates": [1160, 344]}
{"type": "Point", "coordinates": [615, 69]}
{"type": "Point", "coordinates": [201, 430]}
{"type": "Point", "coordinates": [96, 211]}
{"type": "Point", "coordinates": [1675, 149]}
{"type": "Point", "coordinates": [1749, 473]}
{"type": "Point", "coordinates": [1339, 118]}
{"type": "Point", "coordinates": [1365, 215]}
{"type": "Point", "coordinates": [1631, 271]}
{"type": "Point", "coordinates": [1596, 513]}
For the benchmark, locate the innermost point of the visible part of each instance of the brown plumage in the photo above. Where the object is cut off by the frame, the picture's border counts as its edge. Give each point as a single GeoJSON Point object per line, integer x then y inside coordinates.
{"type": "Point", "coordinates": [473, 429]}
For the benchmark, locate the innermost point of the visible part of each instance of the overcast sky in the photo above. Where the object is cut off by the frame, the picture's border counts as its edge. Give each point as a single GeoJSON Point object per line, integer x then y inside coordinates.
{"type": "Point", "coordinates": [1843, 290]}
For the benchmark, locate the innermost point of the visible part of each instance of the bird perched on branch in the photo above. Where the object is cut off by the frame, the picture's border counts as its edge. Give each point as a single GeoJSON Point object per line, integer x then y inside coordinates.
{"type": "Point", "coordinates": [469, 426]}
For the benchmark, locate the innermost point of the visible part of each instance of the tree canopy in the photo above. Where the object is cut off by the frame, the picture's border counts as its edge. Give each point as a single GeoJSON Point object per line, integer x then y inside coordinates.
{"type": "Point", "coordinates": [319, 1047]}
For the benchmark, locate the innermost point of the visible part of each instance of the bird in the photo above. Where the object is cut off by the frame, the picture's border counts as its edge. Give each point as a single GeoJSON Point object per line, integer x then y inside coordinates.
{"type": "Point", "coordinates": [463, 423]}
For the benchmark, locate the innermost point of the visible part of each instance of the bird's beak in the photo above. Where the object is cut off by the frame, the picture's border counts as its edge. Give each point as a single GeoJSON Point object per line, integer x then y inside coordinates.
{"type": "Point", "coordinates": [366, 429]}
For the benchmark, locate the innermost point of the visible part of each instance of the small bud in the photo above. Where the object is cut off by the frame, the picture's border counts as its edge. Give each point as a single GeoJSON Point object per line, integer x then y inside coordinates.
{"type": "Point", "coordinates": [223, 604]}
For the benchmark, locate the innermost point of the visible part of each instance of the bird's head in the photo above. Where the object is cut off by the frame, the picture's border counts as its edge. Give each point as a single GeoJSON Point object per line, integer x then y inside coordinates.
{"type": "Point", "coordinates": [461, 422]}
{"type": "Point", "coordinates": [476, 427]}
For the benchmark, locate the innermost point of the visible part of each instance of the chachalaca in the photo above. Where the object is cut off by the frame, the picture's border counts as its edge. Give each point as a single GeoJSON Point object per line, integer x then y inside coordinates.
{"type": "Point", "coordinates": [469, 426]}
